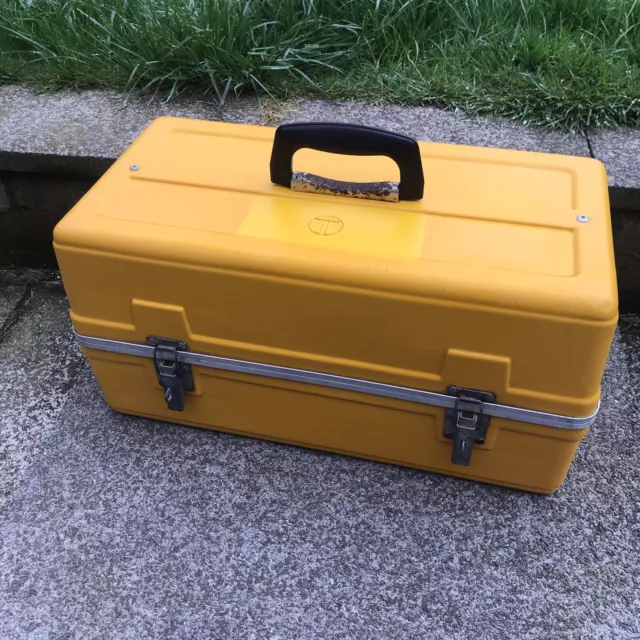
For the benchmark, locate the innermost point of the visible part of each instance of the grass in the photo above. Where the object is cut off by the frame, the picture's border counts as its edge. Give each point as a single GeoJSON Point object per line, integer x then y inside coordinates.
{"type": "Point", "coordinates": [564, 64]}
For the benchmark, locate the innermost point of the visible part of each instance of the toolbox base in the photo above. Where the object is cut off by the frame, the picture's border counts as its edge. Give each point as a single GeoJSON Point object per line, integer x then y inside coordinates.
{"type": "Point", "coordinates": [517, 455]}
{"type": "Point", "coordinates": [351, 454]}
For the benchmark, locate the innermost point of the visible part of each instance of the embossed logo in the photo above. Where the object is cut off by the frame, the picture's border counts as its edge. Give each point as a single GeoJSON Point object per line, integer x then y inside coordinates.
{"type": "Point", "coordinates": [326, 225]}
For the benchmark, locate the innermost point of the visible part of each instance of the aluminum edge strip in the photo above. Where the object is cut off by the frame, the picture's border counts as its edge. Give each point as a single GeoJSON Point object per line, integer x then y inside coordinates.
{"type": "Point", "coordinates": [341, 382]}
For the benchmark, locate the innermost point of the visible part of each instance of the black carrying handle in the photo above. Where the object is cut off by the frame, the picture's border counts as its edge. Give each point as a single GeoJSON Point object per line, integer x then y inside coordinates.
{"type": "Point", "coordinates": [348, 139]}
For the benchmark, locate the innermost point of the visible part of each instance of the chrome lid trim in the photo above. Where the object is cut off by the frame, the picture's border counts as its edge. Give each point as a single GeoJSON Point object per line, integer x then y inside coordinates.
{"type": "Point", "coordinates": [341, 382]}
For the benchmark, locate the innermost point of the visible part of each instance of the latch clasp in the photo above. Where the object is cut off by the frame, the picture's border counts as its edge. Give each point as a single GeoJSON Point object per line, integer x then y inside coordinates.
{"type": "Point", "coordinates": [174, 376]}
{"type": "Point", "coordinates": [466, 423]}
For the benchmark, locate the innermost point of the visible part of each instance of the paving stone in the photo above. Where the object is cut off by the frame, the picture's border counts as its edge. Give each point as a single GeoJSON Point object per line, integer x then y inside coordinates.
{"type": "Point", "coordinates": [620, 151]}
{"type": "Point", "coordinates": [97, 123]}
{"type": "Point", "coordinates": [40, 361]}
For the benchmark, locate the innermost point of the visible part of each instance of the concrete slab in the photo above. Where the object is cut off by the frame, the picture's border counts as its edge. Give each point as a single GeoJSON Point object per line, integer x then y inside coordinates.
{"type": "Point", "coordinates": [436, 125]}
{"type": "Point", "coordinates": [128, 528]}
{"type": "Point", "coordinates": [619, 150]}
{"type": "Point", "coordinates": [40, 361]}
{"type": "Point", "coordinates": [96, 124]}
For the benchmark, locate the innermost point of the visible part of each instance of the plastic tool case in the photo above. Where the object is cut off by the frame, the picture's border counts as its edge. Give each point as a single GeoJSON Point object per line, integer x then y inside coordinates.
{"type": "Point", "coordinates": [443, 307]}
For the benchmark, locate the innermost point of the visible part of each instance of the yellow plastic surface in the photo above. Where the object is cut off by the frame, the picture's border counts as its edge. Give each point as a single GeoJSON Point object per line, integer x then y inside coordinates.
{"type": "Point", "coordinates": [488, 282]}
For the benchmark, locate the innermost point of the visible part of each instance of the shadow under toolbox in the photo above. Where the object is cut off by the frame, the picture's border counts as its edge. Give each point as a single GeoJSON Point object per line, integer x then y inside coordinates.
{"type": "Point", "coordinates": [460, 325]}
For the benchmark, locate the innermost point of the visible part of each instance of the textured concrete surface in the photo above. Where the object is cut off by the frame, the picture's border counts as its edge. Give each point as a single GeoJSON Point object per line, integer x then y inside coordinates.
{"type": "Point", "coordinates": [104, 123]}
{"type": "Point", "coordinates": [436, 125]}
{"type": "Point", "coordinates": [40, 361]}
{"type": "Point", "coordinates": [126, 528]}
{"type": "Point", "coordinates": [9, 297]}
{"type": "Point", "coordinates": [52, 127]}
{"type": "Point", "coordinates": [96, 123]}
{"type": "Point", "coordinates": [619, 150]}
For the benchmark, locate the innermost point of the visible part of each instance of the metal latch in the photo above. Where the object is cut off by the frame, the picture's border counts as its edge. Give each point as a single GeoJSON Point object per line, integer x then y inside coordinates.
{"type": "Point", "coordinates": [466, 423]}
{"type": "Point", "coordinates": [175, 377]}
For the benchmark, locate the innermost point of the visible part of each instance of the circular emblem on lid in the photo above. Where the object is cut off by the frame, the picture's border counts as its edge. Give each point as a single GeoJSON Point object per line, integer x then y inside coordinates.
{"type": "Point", "coordinates": [326, 225]}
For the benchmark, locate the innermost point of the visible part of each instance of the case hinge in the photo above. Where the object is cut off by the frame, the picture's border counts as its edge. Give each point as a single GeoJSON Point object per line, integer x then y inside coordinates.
{"type": "Point", "coordinates": [466, 423]}
{"type": "Point", "coordinates": [175, 377]}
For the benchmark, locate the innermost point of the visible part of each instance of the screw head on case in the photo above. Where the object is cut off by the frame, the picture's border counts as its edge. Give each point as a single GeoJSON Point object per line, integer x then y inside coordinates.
{"type": "Point", "coordinates": [582, 218]}
{"type": "Point", "coordinates": [134, 167]}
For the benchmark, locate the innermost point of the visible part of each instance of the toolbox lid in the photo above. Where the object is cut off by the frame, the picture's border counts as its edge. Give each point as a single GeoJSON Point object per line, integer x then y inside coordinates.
{"type": "Point", "coordinates": [501, 228]}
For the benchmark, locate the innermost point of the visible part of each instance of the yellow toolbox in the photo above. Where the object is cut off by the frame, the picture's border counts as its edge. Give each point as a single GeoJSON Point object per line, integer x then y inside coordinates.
{"type": "Point", "coordinates": [344, 288]}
